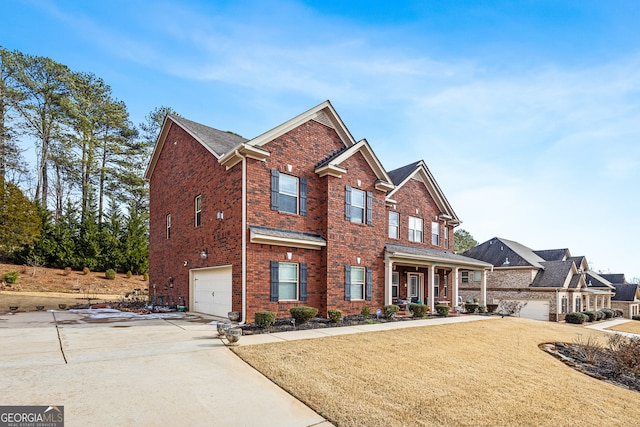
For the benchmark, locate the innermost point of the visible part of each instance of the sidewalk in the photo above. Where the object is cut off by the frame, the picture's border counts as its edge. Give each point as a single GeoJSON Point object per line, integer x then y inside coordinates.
{"type": "Point", "coordinates": [602, 326]}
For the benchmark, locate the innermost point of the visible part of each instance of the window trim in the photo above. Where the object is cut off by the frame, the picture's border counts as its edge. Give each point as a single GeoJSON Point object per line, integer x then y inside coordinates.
{"type": "Point", "coordinates": [367, 285]}
{"type": "Point", "coordinates": [296, 283]}
{"type": "Point", "coordinates": [436, 286]}
{"type": "Point", "coordinates": [435, 233]}
{"type": "Point", "coordinates": [395, 283]}
{"type": "Point", "coordinates": [446, 237]}
{"type": "Point", "coordinates": [301, 281]}
{"type": "Point", "coordinates": [464, 278]}
{"type": "Point", "coordinates": [168, 226]}
{"type": "Point", "coordinates": [198, 210]}
{"type": "Point", "coordinates": [367, 215]}
{"type": "Point", "coordinates": [301, 195]}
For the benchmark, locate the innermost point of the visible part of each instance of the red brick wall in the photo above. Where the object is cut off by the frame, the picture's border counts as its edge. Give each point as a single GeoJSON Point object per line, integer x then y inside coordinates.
{"type": "Point", "coordinates": [184, 170]}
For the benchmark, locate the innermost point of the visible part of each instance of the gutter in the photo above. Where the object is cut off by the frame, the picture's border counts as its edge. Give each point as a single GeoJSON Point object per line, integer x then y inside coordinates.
{"type": "Point", "coordinates": [244, 240]}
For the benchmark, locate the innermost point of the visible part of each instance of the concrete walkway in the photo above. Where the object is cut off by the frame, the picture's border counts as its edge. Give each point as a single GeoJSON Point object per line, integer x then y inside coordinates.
{"type": "Point", "coordinates": [152, 372]}
{"type": "Point", "coordinates": [602, 326]}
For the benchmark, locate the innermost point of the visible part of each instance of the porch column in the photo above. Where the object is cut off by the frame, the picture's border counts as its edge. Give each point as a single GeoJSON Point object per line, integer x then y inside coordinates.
{"type": "Point", "coordinates": [483, 288]}
{"type": "Point", "coordinates": [454, 288]}
{"type": "Point", "coordinates": [595, 302]}
{"type": "Point", "coordinates": [432, 279]}
{"type": "Point", "coordinates": [388, 275]}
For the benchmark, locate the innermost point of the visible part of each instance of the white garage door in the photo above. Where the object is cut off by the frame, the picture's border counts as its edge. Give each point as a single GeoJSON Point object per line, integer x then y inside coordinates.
{"type": "Point", "coordinates": [536, 310]}
{"type": "Point", "coordinates": [211, 291]}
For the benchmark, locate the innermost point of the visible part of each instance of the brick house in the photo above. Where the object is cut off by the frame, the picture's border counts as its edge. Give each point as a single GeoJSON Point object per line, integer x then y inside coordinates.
{"type": "Point", "coordinates": [627, 297]}
{"type": "Point", "coordinates": [551, 282]}
{"type": "Point", "coordinates": [301, 215]}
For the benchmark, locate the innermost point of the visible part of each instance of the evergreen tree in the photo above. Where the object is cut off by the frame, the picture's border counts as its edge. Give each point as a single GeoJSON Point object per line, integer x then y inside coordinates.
{"type": "Point", "coordinates": [19, 222]}
{"type": "Point", "coordinates": [135, 241]}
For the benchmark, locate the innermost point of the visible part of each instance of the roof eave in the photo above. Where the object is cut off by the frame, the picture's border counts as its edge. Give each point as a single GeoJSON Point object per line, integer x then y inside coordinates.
{"type": "Point", "coordinates": [235, 156]}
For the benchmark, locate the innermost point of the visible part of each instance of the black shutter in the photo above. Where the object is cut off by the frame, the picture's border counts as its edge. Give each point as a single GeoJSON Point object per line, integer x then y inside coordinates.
{"type": "Point", "coordinates": [347, 283]}
{"type": "Point", "coordinates": [274, 280]}
{"type": "Point", "coordinates": [369, 207]}
{"type": "Point", "coordinates": [347, 204]}
{"type": "Point", "coordinates": [303, 282]}
{"type": "Point", "coordinates": [368, 284]}
{"type": "Point", "coordinates": [303, 196]}
{"type": "Point", "coordinates": [275, 187]}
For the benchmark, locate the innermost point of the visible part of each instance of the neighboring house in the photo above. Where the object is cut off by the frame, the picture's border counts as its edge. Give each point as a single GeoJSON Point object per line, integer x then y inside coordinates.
{"type": "Point", "coordinates": [301, 215]}
{"type": "Point", "coordinates": [627, 297]}
{"type": "Point", "coordinates": [551, 282]}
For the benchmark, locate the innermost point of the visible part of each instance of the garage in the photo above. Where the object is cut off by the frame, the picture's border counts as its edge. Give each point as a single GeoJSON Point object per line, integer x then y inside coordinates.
{"type": "Point", "coordinates": [535, 309]}
{"type": "Point", "coordinates": [211, 290]}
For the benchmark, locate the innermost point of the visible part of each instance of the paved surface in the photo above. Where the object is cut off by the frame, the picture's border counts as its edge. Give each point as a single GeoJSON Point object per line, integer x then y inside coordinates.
{"type": "Point", "coordinates": [137, 372]}
{"type": "Point", "coordinates": [602, 326]}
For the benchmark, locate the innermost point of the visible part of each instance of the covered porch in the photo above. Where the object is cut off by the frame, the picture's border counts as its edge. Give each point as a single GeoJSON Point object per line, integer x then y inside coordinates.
{"type": "Point", "coordinates": [428, 276]}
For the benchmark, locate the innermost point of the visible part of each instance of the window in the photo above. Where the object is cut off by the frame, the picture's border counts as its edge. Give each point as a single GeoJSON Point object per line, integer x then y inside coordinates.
{"type": "Point", "coordinates": [168, 226]}
{"type": "Point", "coordinates": [198, 206]}
{"type": "Point", "coordinates": [414, 283]}
{"type": "Point", "coordinates": [446, 237]}
{"type": "Point", "coordinates": [395, 284]}
{"type": "Point", "coordinates": [358, 205]}
{"type": "Point", "coordinates": [288, 193]}
{"type": "Point", "coordinates": [415, 229]}
{"type": "Point", "coordinates": [288, 281]}
{"type": "Point", "coordinates": [436, 286]}
{"type": "Point", "coordinates": [394, 225]}
{"type": "Point", "coordinates": [578, 304]}
{"type": "Point", "coordinates": [477, 276]}
{"type": "Point", "coordinates": [565, 304]}
{"type": "Point", "coordinates": [435, 233]}
{"type": "Point", "coordinates": [358, 283]}
{"type": "Point", "coordinates": [465, 277]}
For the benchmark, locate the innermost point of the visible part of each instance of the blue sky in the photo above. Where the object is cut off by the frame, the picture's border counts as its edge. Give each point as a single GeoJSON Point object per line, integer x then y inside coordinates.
{"type": "Point", "coordinates": [526, 112]}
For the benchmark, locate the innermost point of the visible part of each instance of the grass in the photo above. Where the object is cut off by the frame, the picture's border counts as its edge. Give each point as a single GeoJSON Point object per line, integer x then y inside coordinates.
{"type": "Point", "coordinates": [27, 301]}
{"type": "Point", "coordinates": [479, 373]}
{"type": "Point", "coordinates": [632, 326]}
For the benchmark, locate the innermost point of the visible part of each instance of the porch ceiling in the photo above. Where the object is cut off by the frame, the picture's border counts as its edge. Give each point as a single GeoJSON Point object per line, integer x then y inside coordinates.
{"type": "Point", "coordinates": [410, 255]}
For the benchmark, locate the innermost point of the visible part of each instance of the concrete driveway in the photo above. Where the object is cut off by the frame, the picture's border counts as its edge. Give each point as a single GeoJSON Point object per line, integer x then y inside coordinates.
{"type": "Point", "coordinates": [157, 372]}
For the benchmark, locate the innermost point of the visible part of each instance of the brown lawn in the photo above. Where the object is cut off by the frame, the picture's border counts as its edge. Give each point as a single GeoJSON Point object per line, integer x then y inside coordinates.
{"type": "Point", "coordinates": [480, 373]}
{"type": "Point", "coordinates": [632, 326]}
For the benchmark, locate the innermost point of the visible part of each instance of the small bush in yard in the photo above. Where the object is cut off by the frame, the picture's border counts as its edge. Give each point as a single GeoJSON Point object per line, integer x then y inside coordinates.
{"type": "Point", "coordinates": [442, 309]}
{"type": "Point", "coordinates": [11, 277]}
{"type": "Point", "coordinates": [129, 274]}
{"type": "Point", "coordinates": [599, 315]}
{"type": "Point", "coordinates": [365, 312]}
{"type": "Point", "coordinates": [335, 315]}
{"type": "Point", "coordinates": [624, 354]}
{"type": "Point", "coordinates": [591, 315]}
{"type": "Point", "coordinates": [471, 307]}
{"type": "Point", "coordinates": [265, 318]}
{"type": "Point", "coordinates": [608, 313]}
{"type": "Point", "coordinates": [418, 310]}
{"type": "Point", "coordinates": [391, 310]}
{"type": "Point", "coordinates": [482, 309]}
{"type": "Point", "coordinates": [576, 318]}
{"type": "Point", "coordinates": [635, 317]}
{"type": "Point", "coordinates": [619, 313]}
{"type": "Point", "coordinates": [303, 314]}
{"type": "Point", "coordinates": [491, 308]}
{"type": "Point", "coordinates": [110, 274]}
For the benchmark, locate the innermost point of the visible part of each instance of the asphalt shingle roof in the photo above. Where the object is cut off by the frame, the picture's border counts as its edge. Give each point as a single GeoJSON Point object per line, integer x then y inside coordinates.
{"type": "Point", "coordinates": [615, 278]}
{"type": "Point", "coordinates": [596, 281]}
{"type": "Point", "coordinates": [219, 141]}
{"type": "Point", "coordinates": [552, 254]}
{"type": "Point", "coordinates": [400, 174]}
{"type": "Point", "coordinates": [433, 253]}
{"type": "Point", "coordinates": [288, 234]}
{"type": "Point", "coordinates": [554, 275]}
{"type": "Point", "coordinates": [627, 292]}
{"type": "Point", "coordinates": [502, 253]}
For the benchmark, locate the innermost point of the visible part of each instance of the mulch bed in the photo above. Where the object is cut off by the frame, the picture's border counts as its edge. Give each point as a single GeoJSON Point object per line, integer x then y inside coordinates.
{"type": "Point", "coordinates": [599, 367]}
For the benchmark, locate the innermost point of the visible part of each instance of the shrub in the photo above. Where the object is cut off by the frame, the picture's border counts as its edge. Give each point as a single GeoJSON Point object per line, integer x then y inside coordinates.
{"type": "Point", "coordinates": [335, 315]}
{"type": "Point", "coordinates": [129, 274]}
{"type": "Point", "coordinates": [591, 315]}
{"type": "Point", "coordinates": [476, 300]}
{"type": "Point", "coordinates": [85, 271]}
{"type": "Point", "coordinates": [443, 310]}
{"type": "Point", "coordinates": [635, 317]}
{"type": "Point", "coordinates": [365, 312]}
{"type": "Point", "coordinates": [624, 354]}
{"type": "Point", "coordinates": [11, 277]}
{"type": "Point", "coordinates": [110, 274]}
{"type": "Point", "coordinates": [576, 318]}
{"type": "Point", "coordinates": [303, 314]}
{"type": "Point", "coordinates": [491, 308]}
{"type": "Point", "coordinates": [67, 271]}
{"type": "Point", "coordinates": [418, 310]}
{"type": "Point", "coordinates": [265, 318]}
{"type": "Point", "coordinates": [599, 315]}
{"type": "Point", "coordinates": [471, 307]}
{"type": "Point", "coordinates": [391, 310]}
{"type": "Point", "coordinates": [608, 313]}
{"type": "Point", "coordinates": [145, 277]}
{"type": "Point", "coordinates": [618, 313]}
{"type": "Point", "coordinates": [482, 309]}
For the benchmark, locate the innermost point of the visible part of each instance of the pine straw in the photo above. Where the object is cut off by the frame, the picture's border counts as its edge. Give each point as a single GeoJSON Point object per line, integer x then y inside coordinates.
{"type": "Point", "coordinates": [479, 373]}
{"type": "Point", "coordinates": [632, 327]}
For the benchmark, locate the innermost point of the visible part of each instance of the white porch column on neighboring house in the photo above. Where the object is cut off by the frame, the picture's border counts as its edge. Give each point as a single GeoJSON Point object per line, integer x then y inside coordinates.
{"type": "Point", "coordinates": [454, 288]}
{"type": "Point", "coordinates": [432, 279]}
{"type": "Point", "coordinates": [388, 277]}
{"type": "Point", "coordinates": [595, 302]}
{"type": "Point", "coordinates": [483, 288]}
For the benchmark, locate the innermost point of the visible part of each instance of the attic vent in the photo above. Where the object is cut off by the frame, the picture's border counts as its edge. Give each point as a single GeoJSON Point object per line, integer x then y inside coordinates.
{"type": "Point", "coordinates": [506, 261]}
{"type": "Point", "coordinates": [589, 284]}
{"type": "Point", "coordinates": [322, 118]}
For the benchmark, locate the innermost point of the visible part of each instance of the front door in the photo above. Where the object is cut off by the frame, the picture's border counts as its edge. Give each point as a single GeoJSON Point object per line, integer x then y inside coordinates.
{"type": "Point", "coordinates": [415, 287]}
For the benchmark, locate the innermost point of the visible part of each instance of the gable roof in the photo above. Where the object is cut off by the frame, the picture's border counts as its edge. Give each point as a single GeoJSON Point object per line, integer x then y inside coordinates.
{"type": "Point", "coordinates": [553, 254]}
{"type": "Point", "coordinates": [555, 274]}
{"type": "Point", "coordinates": [419, 171]}
{"type": "Point", "coordinates": [594, 280]}
{"type": "Point", "coordinates": [433, 255]}
{"type": "Point", "coordinates": [616, 279]}
{"type": "Point", "coordinates": [216, 141]}
{"type": "Point", "coordinates": [505, 253]}
{"type": "Point", "coordinates": [626, 292]}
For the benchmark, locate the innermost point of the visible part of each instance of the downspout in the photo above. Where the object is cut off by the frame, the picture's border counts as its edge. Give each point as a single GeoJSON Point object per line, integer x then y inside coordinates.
{"type": "Point", "coordinates": [557, 305]}
{"type": "Point", "coordinates": [244, 240]}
